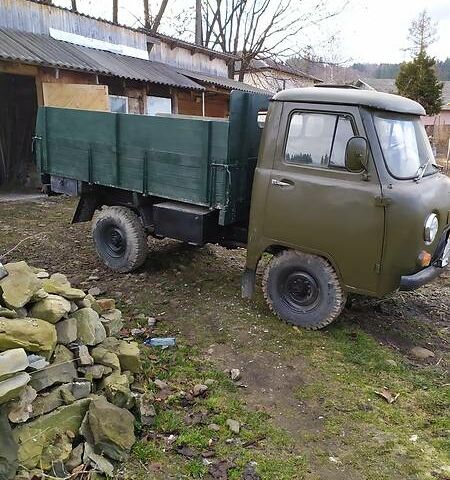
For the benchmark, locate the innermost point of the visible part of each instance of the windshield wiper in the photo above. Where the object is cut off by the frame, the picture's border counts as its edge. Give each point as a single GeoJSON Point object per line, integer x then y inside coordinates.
{"type": "Point", "coordinates": [422, 169]}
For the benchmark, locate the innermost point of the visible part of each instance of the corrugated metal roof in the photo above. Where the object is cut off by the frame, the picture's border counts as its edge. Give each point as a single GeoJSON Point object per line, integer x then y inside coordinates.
{"type": "Point", "coordinates": [43, 50]}
{"type": "Point", "coordinates": [224, 82]}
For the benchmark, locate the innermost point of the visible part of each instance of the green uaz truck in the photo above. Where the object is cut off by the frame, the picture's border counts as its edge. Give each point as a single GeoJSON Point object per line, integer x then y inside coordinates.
{"type": "Point", "coordinates": [340, 186]}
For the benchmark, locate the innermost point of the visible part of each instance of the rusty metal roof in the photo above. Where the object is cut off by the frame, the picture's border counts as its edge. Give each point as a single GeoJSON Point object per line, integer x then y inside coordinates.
{"type": "Point", "coordinates": [43, 50]}
{"type": "Point", "coordinates": [227, 83]}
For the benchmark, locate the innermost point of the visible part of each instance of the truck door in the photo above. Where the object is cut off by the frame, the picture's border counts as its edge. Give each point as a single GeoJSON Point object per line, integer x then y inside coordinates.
{"type": "Point", "coordinates": [315, 205]}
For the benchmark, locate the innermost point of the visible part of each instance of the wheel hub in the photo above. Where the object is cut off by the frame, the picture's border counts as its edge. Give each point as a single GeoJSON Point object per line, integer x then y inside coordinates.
{"type": "Point", "coordinates": [301, 290]}
{"type": "Point", "coordinates": [114, 241]}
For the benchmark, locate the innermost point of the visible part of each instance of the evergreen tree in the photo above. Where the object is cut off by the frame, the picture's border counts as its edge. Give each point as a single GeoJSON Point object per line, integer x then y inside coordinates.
{"type": "Point", "coordinates": [418, 80]}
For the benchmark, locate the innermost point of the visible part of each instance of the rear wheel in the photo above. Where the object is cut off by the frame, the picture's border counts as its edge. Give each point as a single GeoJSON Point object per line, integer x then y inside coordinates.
{"type": "Point", "coordinates": [303, 290]}
{"type": "Point", "coordinates": [119, 238]}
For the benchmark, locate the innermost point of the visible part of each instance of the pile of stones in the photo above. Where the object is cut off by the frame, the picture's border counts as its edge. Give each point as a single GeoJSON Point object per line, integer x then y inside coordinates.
{"type": "Point", "coordinates": [67, 401]}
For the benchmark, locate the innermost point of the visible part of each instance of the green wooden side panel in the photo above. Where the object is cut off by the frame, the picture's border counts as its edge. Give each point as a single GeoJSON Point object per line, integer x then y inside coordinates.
{"type": "Point", "coordinates": [199, 161]}
{"type": "Point", "coordinates": [164, 156]}
{"type": "Point", "coordinates": [243, 147]}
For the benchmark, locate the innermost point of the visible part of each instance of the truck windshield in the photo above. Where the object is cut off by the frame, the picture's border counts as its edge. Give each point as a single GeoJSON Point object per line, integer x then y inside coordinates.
{"type": "Point", "coordinates": [405, 145]}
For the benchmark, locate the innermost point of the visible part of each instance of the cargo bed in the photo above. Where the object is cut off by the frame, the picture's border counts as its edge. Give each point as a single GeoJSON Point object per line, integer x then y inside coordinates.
{"type": "Point", "coordinates": [198, 161]}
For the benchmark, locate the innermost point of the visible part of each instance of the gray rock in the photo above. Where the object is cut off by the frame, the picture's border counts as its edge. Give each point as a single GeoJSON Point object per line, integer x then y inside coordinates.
{"type": "Point", "coordinates": [39, 295]}
{"type": "Point", "coordinates": [90, 329]}
{"type": "Point", "coordinates": [33, 335]}
{"type": "Point", "coordinates": [37, 362]}
{"type": "Point", "coordinates": [7, 313]}
{"type": "Point", "coordinates": [83, 356]}
{"type": "Point", "coordinates": [100, 463]}
{"type": "Point", "coordinates": [57, 397]}
{"type": "Point", "coordinates": [20, 285]}
{"type": "Point", "coordinates": [233, 425]}
{"type": "Point", "coordinates": [61, 370]}
{"type": "Point", "coordinates": [75, 459]}
{"type": "Point", "coordinates": [213, 427]}
{"type": "Point", "coordinates": [199, 390]}
{"type": "Point", "coordinates": [21, 410]}
{"type": "Point", "coordinates": [36, 436]}
{"type": "Point", "coordinates": [95, 372]}
{"type": "Point", "coordinates": [13, 387]}
{"type": "Point", "coordinates": [146, 410]}
{"type": "Point", "coordinates": [421, 353]}
{"type": "Point", "coordinates": [12, 361]}
{"type": "Point", "coordinates": [66, 331]}
{"type": "Point", "coordinates": [57, 286]}
{"type": "Point", "coordinates": [52, 308]}
{"type": "Point", "coordinates": [104, 357]}
{"type": "Point", "coordinates": [8, 450]}
{"type": "Point", "coordinates": [112, 321]}
{"type": "Point", "coordinates": [117, 390]}
{"type": "Point", "coordinates": [42, 274]}
{"type": "Point", "coordinates": [112, 429]}
{"type": "Point", "coordinates": [128, 353]}
{"type": "Point", "coordinates": [81, 389]}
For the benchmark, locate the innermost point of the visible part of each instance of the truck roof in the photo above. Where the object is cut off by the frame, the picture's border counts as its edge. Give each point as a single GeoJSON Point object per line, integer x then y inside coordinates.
{"type": "Point", "coordinates": [346, 96]}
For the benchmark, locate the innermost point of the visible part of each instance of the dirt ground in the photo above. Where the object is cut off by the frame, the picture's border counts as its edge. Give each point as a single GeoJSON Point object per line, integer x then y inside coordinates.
{"type": "Point", "coordinates": [314, 390]}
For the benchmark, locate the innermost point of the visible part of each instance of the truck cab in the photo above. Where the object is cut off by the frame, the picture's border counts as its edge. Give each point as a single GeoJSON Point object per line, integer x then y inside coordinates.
{"type": "Point", "coordinates": [348, 197]}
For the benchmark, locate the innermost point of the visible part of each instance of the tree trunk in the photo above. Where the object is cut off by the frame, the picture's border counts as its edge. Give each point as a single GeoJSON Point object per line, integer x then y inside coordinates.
{"type": "Point", "coordinates": [159, 16]}
{"type": "Point", "coordinates": [74, 6]}
{"type": "Point", "coordinates": [115, 11]}
{"type": "Point", "coordinates": [198, 23]}
{"type": "Point", "coordinates": [146, 14]}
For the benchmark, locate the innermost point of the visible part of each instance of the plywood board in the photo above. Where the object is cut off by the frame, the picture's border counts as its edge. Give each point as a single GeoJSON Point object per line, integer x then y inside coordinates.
{"type": "Point", "coordinates": [81, 97]}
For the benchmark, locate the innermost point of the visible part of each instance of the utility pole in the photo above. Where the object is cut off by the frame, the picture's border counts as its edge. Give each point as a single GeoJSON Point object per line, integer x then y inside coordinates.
{"type": "Point", "coordinates": [198, 23]}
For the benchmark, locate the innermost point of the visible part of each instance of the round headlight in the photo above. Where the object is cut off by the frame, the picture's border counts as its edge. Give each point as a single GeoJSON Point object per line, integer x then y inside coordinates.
{"type": "Point", "coordinates": [431, 228]}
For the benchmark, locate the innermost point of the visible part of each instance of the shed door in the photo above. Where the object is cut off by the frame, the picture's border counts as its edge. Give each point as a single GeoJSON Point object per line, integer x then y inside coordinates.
{"type": "Point", "coordinates": [315, 204]}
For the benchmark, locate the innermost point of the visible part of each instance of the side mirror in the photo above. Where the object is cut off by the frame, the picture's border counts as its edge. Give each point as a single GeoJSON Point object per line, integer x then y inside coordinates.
{"type": "Point", "coordinates": [356, 155]}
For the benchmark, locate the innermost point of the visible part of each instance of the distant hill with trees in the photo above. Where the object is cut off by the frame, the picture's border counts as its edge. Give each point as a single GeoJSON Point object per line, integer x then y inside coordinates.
{"type": "Point", "coordinates": [391, 70]}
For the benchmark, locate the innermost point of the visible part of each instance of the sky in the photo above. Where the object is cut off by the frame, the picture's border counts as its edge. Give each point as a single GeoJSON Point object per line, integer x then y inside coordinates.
{"type": "Point", "coordinates": [372, 31]}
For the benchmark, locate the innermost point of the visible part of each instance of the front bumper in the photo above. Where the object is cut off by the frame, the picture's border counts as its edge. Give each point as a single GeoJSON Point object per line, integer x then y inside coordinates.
{"type": "Point", "coordinates": [427, 275]}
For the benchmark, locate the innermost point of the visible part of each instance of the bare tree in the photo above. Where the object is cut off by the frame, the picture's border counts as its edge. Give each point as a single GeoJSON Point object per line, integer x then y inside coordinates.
{"type": "Point", "coordinates": [115, 11]}
{"type": "Point", "coordinates": [146, 14]}
{"type": "Point", "coordinates": [198, 23]}
{"type": "Point", "coordinates": [260, 28]}
{"type": "Point", "coordinates": [157, 21]}
{"type": "Point", "coordinates": [422, 33]}
{"type": "Point", "coordinates": [74, 6]}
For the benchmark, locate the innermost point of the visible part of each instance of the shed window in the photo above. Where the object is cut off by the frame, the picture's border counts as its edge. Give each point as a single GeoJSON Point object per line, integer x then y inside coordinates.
{"type": "Point", "coordinates": [157, 105]}
{"type": "Point", "coordinates": [118, 104]}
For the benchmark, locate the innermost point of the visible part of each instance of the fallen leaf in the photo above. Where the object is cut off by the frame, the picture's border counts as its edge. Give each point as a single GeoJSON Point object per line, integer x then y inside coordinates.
{"type": "Point", "coordinates": [387, 395]}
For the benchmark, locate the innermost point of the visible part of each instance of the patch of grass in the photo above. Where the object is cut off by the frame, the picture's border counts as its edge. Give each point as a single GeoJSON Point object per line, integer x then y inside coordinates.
{"type": "Point", "coordinates": [271, 448]}
{"type": "Point", "coordinates": [147, 452]}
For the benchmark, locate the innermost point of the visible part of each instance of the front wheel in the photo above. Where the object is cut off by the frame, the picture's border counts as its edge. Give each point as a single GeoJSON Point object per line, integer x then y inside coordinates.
{"type": "Point", "coordinates": [303, 290]}
{"type": "Point", "coordinates": [119, 238]}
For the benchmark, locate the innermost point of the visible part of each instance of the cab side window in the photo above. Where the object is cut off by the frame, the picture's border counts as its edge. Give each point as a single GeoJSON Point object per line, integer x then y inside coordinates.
{"type": "Point", "coordinates": [318, 139]}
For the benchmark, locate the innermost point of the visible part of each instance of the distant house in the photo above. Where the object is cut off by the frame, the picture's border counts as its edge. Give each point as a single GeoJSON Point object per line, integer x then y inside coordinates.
{"type": "Point", "coordinates": [53, 56]}
{"type": "Point", "coordinates": [275, 76]}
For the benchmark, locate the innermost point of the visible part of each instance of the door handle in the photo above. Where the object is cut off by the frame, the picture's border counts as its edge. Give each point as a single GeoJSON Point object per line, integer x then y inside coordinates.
{"type": "Point", "coordinates": [281, 183]}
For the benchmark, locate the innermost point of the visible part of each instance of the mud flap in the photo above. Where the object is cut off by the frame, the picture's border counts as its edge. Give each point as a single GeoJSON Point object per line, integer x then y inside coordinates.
{"type": "Point", "coordinates": [248, 283]}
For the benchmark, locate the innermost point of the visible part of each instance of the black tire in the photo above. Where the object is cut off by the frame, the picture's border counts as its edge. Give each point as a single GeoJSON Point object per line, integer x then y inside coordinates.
{"type": "Point", "coordinates": [119, 238]}
{"type": "Point", "coordinates": [303, 290]}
